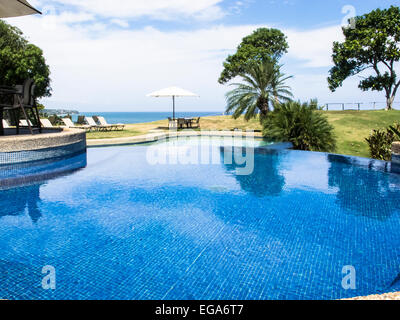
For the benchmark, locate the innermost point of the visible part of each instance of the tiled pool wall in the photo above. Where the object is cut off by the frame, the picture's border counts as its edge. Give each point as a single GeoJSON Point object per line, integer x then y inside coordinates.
{"type": "Point", "coordinates": [42, 154]}
{"type": "Point", "coordinates": [23, 149]}
{"type": "Point", "coordinates": [396, 157]}
{"type": "Point", "coordinates": [26, 173]}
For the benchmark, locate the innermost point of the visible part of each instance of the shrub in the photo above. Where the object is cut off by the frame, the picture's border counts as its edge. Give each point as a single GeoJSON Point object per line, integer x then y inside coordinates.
{"type": "Point", "coordinates": [302, 125]}
{"type": "Point", "coordinates": [380, 142]}
{"type": "Point", "coordinates": [395, 129]}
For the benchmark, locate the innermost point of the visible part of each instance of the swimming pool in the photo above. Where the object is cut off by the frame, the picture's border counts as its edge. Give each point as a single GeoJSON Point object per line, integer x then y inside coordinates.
{"type": "Point", "coordinates": [121, 228]}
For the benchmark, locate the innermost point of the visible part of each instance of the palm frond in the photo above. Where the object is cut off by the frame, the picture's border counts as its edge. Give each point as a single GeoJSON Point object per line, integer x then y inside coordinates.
{"type": "Point", "coordinates": [262, 86]}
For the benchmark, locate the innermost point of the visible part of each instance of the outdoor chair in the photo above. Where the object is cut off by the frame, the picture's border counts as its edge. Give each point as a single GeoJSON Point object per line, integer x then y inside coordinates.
{"type": "Point", "coordinates": [26, 101]}
{"type": "Point", "coordinates": [195, 123]}
{"type": "Point", "coordinates": [22, 98]}
{"type": "Point", "coordinates": [181, 123]}
{"type": "Point", "coordinates": [90, 121]}
{"type": "Point", "coordinates": [103, 122]}
{"type": "Point", "coordinates": [69, 124]}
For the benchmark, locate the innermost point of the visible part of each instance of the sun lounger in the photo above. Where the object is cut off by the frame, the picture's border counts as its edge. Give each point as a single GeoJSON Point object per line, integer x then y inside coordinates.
{"type": "Point", "coordinates": [5, 124]}
{"type": "Point", "coordinates": [118, 126]}
{"type": "Point", "coordinates": [93, 124]}
{"type": "Point", "coordinates": [68, 122]}
{"type": "Point", "coordinates": [24, 123]}
{"type": "Point", "coordinates": [46, 123]}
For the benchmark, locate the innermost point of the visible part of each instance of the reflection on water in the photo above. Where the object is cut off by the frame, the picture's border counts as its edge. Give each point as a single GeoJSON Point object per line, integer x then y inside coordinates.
{"type": "Point", "coordinates": [20, 184]}
{"type": "Point", "coordinates": [21, 198]}
{"type": "Point", "coordinates": [36, 171]}
{"type": "Point", "coordinates": [265, 180]}
{"type": "Point", "coordinates": [362, 189]}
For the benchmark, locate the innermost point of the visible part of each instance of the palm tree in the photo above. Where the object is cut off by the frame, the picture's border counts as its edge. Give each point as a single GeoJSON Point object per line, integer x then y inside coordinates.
{"type": "Point", "coordinates": [302, 125]}
{"type": "Point", "coordinates": [263, 86]}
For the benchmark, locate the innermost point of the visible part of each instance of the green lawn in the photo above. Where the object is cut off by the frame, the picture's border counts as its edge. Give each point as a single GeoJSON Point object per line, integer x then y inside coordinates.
{"type": "Point", "coordinates": [351, 127]}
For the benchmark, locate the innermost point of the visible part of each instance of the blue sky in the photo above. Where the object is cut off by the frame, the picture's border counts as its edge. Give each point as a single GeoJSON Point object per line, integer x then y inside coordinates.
{"type": "Point", "coordinates": [303, 14]}
{"type": "Point", "coordinates": [107, 55]}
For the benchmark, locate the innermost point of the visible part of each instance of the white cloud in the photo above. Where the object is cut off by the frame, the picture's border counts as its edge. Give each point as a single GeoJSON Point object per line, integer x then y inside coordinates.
{"type": "Point", "coordinates": [99, 67]}
{"type": "Point", "coordinates": [313, 46]}
{"type": "Point", "coordinates": [157, 9]}
{"type": "Point", "coordinates": [71, 17]}
{"type": "Point", "coordinates": [121, 23]}
{"type": "Point", "coordinates": [117, 68]}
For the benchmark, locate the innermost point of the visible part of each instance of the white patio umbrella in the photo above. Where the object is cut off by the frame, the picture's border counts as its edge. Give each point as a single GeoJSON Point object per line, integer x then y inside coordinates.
{"type": "Point", "coordinates": [172, 92]}
{"type": "Point", "coordinates": [16, 8]}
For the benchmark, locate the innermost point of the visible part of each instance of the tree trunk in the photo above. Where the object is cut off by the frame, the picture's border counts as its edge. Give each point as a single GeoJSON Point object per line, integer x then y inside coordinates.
{"type": "Point", "coordinates": [389, 103]}
{"type": "Point", "coordinates": [263, 106]}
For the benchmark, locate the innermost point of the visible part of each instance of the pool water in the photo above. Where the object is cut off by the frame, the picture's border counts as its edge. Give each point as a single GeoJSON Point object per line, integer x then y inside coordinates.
{"type": "Point", "coordinates": [122, 228]}
{"type": "Point", "coordinates": [213, 141]}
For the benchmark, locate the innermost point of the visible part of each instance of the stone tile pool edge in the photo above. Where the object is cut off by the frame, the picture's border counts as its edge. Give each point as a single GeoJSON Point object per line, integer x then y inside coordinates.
{"type": "Point", "coordinates": [52, 144]}
{"type": "Point", "coordinates": [384, 296]}
{"type": "Point", "coordinates": [158, 136]}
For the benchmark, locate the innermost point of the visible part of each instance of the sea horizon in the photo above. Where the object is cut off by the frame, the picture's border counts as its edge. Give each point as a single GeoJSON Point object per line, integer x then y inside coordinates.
{"type": "Point", "coordinates": [140, 116]}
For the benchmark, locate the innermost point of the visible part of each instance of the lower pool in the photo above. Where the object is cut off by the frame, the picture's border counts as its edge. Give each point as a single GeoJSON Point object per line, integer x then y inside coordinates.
{"type": "Point", "coordinates": [301, 225]}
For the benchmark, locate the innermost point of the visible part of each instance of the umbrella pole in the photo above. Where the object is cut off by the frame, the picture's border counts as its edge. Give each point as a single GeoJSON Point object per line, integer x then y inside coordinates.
{"type": "Point", "coordinates": [173, 107]}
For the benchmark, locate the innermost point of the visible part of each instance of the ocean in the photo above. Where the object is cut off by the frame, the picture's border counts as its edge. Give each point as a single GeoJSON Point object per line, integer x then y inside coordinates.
{"type": "Point", "coordinates": [139, 117]}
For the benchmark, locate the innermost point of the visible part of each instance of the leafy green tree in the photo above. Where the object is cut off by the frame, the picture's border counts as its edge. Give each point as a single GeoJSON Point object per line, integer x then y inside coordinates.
{"type": "Point", "coordinates": [263, 86]}
{"type": "Point", "coordinates": [20, 60]}
{"type": "Point", "coordinates": [261, 45]}
{"type": "Point", "coordinates": [372, 43]}
{"type": "Point", "coordinates": [302, 125]}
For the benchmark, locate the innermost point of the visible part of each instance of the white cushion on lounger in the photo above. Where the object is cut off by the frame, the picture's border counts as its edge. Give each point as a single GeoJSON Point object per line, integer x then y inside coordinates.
{"type": "Point", "coordinates": [46, 123]}
{"type": "Point", "coordinates": [68, 122]}
{"type": "Point", "coordinates": [90, 121]}
{"type": "Point", "coordinates": [5, 124]}
{"type": "Point", "coordinates": [24, 123]}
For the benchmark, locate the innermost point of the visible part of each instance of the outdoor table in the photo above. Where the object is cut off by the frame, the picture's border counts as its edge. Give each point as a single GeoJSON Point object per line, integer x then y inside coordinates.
{"type": "Point", "coordinates": [4, 91]}
{"type": "Point", "coordinates": [188, 122]}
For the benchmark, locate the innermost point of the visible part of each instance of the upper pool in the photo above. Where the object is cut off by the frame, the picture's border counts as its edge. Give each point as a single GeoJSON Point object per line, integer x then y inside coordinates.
{"type": "Point", "coordinates": [123, 228]}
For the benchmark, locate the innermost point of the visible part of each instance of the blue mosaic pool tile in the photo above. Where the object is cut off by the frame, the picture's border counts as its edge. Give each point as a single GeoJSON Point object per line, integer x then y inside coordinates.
{"type": "Point", "coordinates": [7, 158]}
{"type": "Point", "coordinates": [123, 229]}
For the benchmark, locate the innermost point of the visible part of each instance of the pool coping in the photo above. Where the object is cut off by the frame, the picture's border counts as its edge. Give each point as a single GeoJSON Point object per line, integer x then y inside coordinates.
{"type": "Point", "coordinates": [383, 296]}
{"type": "Point", "coordinates": [157, 136]}
{"type": "Point", "coordinates": [52, 138]}
{"type": "Point", "coordinates": [51, 144]}
{"type": "Point", "coordinates": [396, 147]}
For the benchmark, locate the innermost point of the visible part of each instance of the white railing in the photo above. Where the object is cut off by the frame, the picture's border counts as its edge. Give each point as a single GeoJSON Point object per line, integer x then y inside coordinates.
{"type": "Point", "coordinates": [358, 105]}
